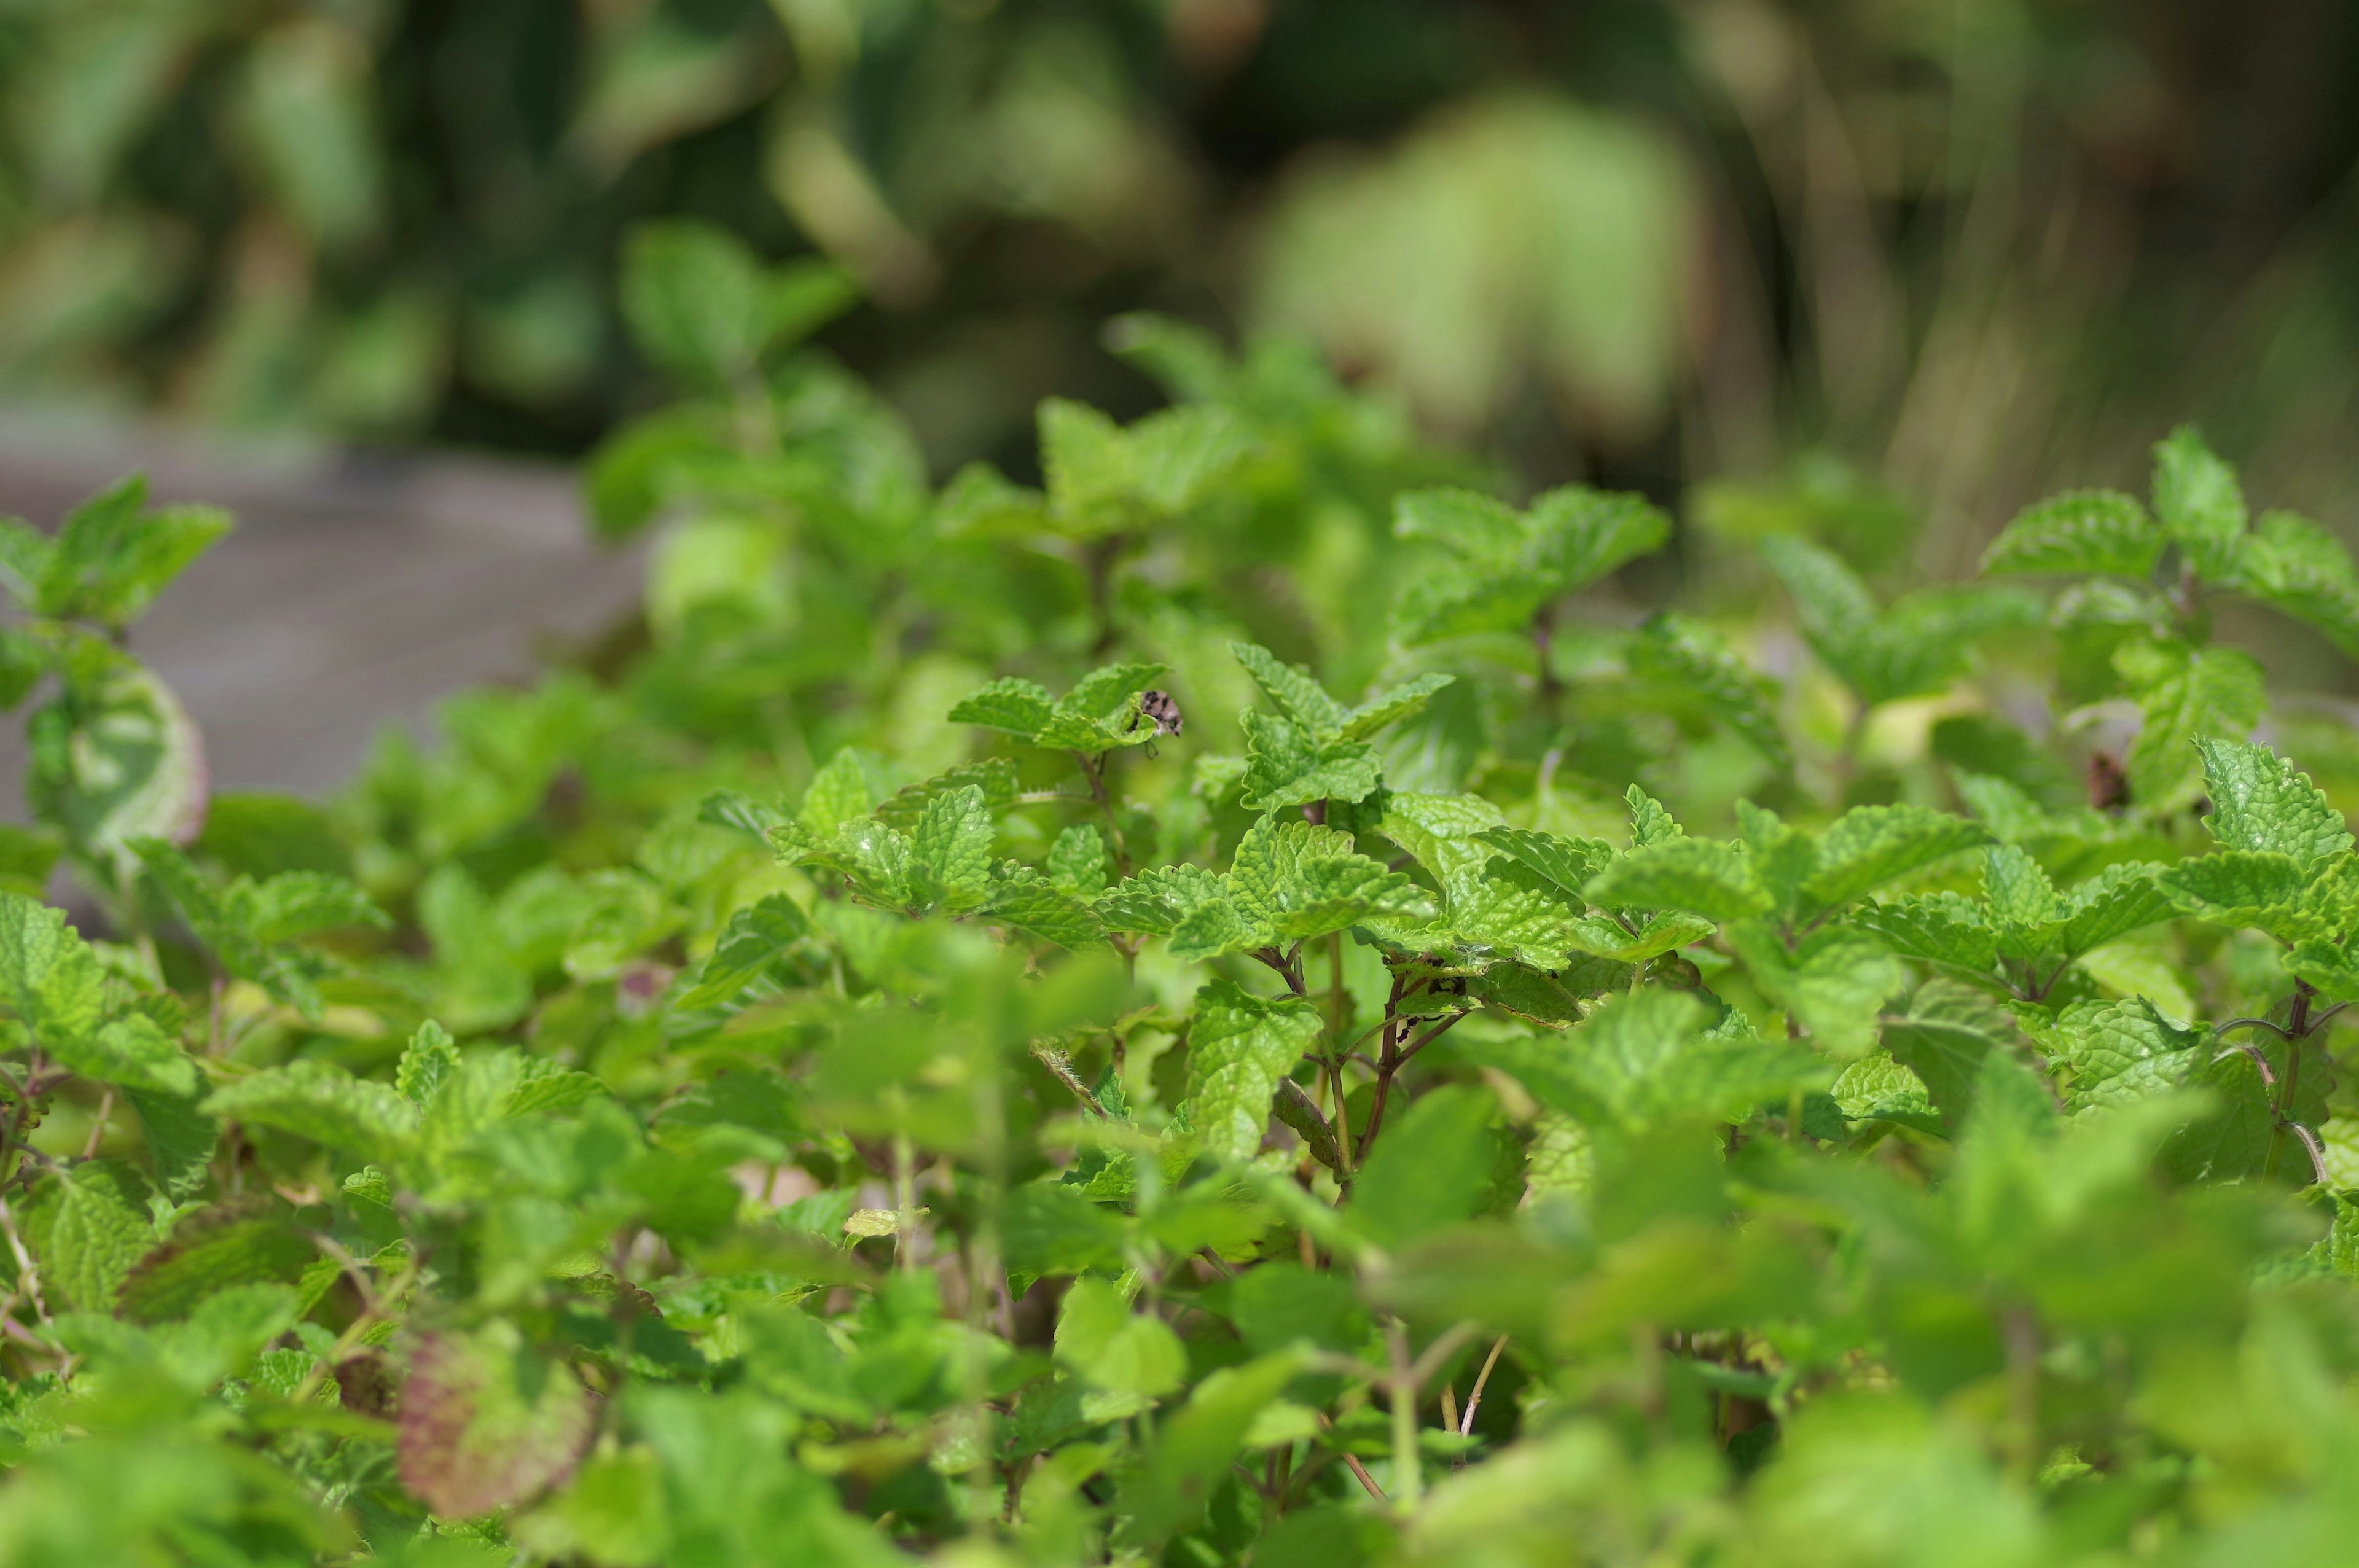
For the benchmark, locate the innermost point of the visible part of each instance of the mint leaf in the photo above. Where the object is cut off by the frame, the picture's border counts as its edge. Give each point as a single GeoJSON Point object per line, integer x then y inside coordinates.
{"type": "Point", "coordinates": [949, 854]}
{"type": "Point", "coordinates": [2237, 888]}
{"type": "Point", "coordinates": [1238, 1049]}
{"type": "Point", "coordinates": [1832, 982]}
{"type": "Point", "coordinates": [1944, 928]}
{"type": "Point", "coordinates": [1942, 1040]}
{"type": "Point", "coordinates": [1687, 658]}
{"type": "Point", "coordinates": [2092, 531]}
{"type": "Point", "coordinates": [1292, 690]}
{"type": "Point", "coordinates": [2186, 695]}
{"type": "Point", "coordinates": [487, 1421]}
{"type": "Point", "coordinates": [2199, 504]}
{"type": "Point", "coordinates": [1287, 765]}
{"type": "Point", "coordinates": [2260, 802]}
{"type": "Point", "coordinates": [2297, 566]}
{"type": "Point", "coordinates": [1428, 1170]}
{"type": "Point", "coordinates": [1024, 900]}
{"type": "Point", "coordinates": [1699, 876]}
{"type": "Point", "coordinates": [326, 1105]}
{"type": "Point", "coordinates": [1869, 845]}
{"type": "Point", "coordinates": [1017, 706]}
{"type": "Point", "coordinates": [2119, 1051]}
{"type": "Point", "coordinates": [1390, 706]}
{"type": "Point", "coordinates": [87, 1227]}
{"type": "Point", "coordinates": [1114, 1348]}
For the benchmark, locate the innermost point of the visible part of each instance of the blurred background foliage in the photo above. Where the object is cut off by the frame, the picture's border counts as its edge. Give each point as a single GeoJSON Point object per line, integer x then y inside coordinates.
{"type": "Point", "coordinates": [1954, 252]}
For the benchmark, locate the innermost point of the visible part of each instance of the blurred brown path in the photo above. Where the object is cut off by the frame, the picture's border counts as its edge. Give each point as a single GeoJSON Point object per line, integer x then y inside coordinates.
{"type": "Point", "coordinates": [359, 586]}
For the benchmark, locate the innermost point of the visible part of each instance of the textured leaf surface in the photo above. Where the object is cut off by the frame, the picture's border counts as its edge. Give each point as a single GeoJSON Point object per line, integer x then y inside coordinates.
{"type": "Point", "coordinates": [325, 1104]}
{"type": "Point", "coordinates": [1833, 981]}
{"type": "Point", "coordinates": [487, 1422]}
{"type": "Point", "coordinates": [2260, 802]}
{"type": "Point", "coordinates": [1699, 875]}
{"type": "Point", "coordinates": [87, 1228]}
{"type": "Point", "coordinates": [1942, 1040]}
{"type": "Point", "coordinates": [1286, 765]}
{"type": "Point", "coordinates": [1872, 845]}
{"type": "Point", "coordinates": [1240, 1046]}
{"type": "Point", "coordinates": [2080, 531]}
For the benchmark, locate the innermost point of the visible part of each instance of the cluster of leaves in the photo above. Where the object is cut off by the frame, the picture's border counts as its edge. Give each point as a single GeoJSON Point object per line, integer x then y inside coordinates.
{"type": "Point", "coordinates": [952, 1039]}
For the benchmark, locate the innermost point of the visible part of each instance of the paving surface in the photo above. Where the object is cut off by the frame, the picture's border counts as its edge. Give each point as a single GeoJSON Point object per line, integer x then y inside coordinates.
{"type": "Point", "coordinates": [358, 589]}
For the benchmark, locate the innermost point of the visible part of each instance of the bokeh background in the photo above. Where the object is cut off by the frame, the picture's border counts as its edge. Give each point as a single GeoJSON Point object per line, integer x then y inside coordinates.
{"type": "Point", "coordinates": [1919, 258]}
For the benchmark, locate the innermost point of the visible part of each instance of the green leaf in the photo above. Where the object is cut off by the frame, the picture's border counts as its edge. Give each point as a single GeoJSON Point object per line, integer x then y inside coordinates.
{"type": "Point", "coordinates": [839, 792]}
{"type": "Point", "coordinates": [2260, 802]}
{"type": "Point", "coordinates": [1833, 981]}
{"type": "Point", "coordinates": [2023, 902]}
{"type": "Point", "coordinates": [1193, 1452]}
{"type": "Point", "coordinates": [2237, 888]}
{"type": "Point", "coordinates": [111, 555]}
{"type": "Point", "coordinates": [87, 1227]}
{"type": "Point", "coordinates": [1156, 900]}
{"type": "Point", "coordinates": [1697, 875]}
{"type": "Point", "coordinates": [1650, 821]}
{"type": "Point", "coordinates": [1101, 712]}
{"type": "Point", "coordinates": [1443, 833]}
{"type": "Point", "coordinates": [1461, 520]}
{"type": "Point", "coordinates": [1239, 1046]}
{"type": "Point", "coordinates": [132, 1051]}
{"type": "Point", "coordinates": [2292, 564]}
{"type": "Point", "coordinates": [749, 952]}
{"type": "Point", "coordinates": [1292, 881]}
{"type": "Point", "coordinates": [1288, 765]}
{"type": "Point", "coordinates": [949, 854]}
{"type": "Point", "coordinates": [315, 1100]}
{"type": "Point", "coordinates": [1023, 899]}
{"type": "Point", "coordinates": [1643, 1060]}
{"type": "Point", "coordinates": [222, 920]}
{"type": "Point", "coordinates": [1942, 928]}
{"type": "Point", "coordinates": [2186, 695]}
{"type": "Point", "coordinates": [48, 977]}
{"type": "Point", "coordinates": [2119, 1051]}
{"type": "Point", "coordinates": [1114, 1348]}
{"type": "Point", "coordinates": [1869, 845]}
{"type": "Point", "coordinates": [2094, 531]}
{"type": "Point", "coordinates": [1658, 935]}
{"type": "Point", "coordinates": [1942, 1040]}
{"type": "Point", "coordinates": [1877, 1089]}
{"type": "Point", "coordinates": [428, 1062]}
{"type": "Point", "coordinates": [696, 301]}
{"type": "Point", "coordinates": [1579, 535]}
{"type": "Point", "coordinates": [1568, 863]}
{"type": "Point", "coordinates": [2329, 969]}
{"type": "Point", "coordinates": [2122, 898]}
{"type": "Point", "coordinates": [2231, 1141]}
{"type": "Point", "coordinates": [1295, 693]}
{"type": "Point", "coordinates": [1685, 657]}
{"type": "Point", "coordinates": [1077, 861]}
{"type": "Point", "coordinates": [1428, 1170]}
{"type": "Point", "coordinates": [1511, 910]}
{"type": "Point", "coordinates": [2199, 504]}
{"type": "Point", "coordinates": [116, 757]}
{"type": "Point", "coordinates": [1390, 706]}
{"type": "Point", "coordinates": [487, 1421]}
{"type": "Point", "coordinates": [1020, 707]}
{"type": "Point", "coordinates": [180, 1141]}
{"type": "Point", "coordinates": [230, 1245]}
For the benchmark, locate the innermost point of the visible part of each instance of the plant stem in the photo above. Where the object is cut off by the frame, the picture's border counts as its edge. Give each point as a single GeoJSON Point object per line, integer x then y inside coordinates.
{"type": "Point", "coordinates": [1475, 1397]}
{"type": "Point", "coordinates": [1408, 1471]}
{"type": "Point", "coordinates": [2297, 1026]}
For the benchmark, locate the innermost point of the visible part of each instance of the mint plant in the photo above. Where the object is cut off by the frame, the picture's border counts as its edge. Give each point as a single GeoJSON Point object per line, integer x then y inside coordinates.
{"type": "Point", "coordinates": [994, 1027]}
